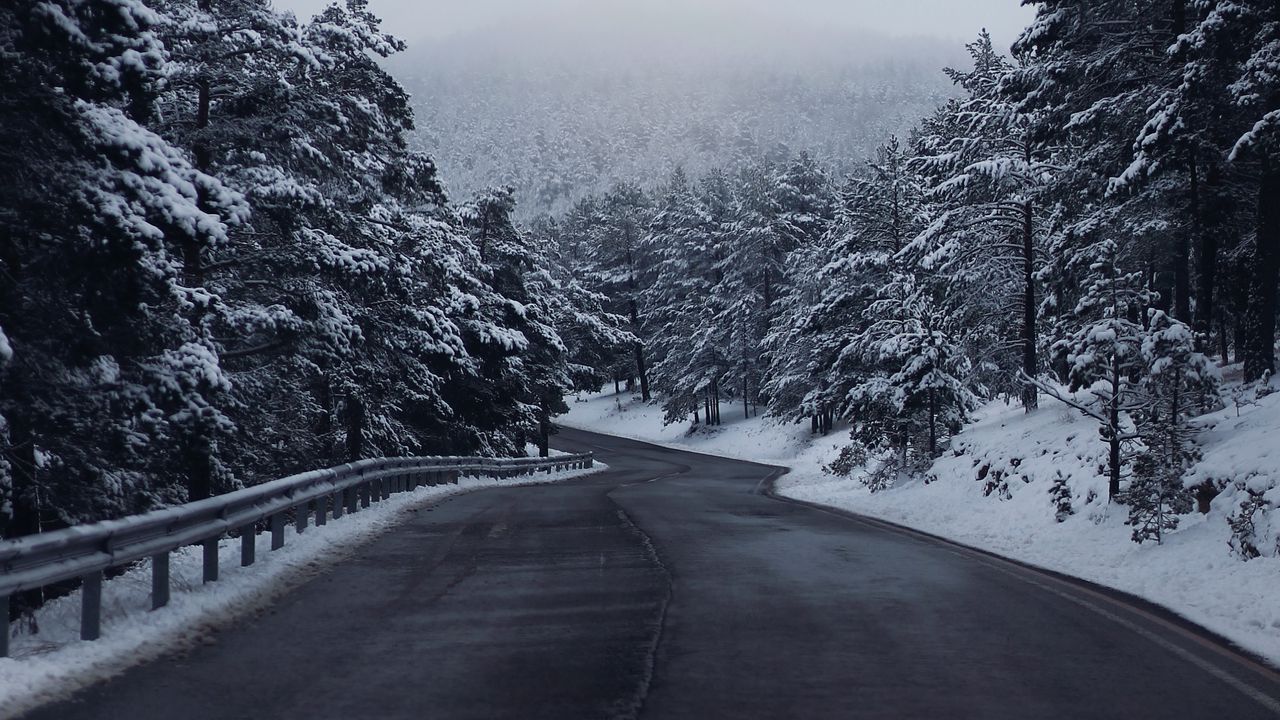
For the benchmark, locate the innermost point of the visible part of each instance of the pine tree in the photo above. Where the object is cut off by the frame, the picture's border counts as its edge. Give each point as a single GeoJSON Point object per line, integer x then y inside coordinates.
{"type": "Point", "coordinates": [1178, 383]}
{"type": "Point", "coordinates": [593, 338]}
{"type": "Point", "coordinates": [990, 177]}
{"type": "Point", "coordinates": [1249, 33]}
{"type": "Point", "coordinates": [106, 374]}
{"type": "Point", "coordinates": [618, 268]}
{"type": "Point", "coordinates": [921, 381]}
{"type": "Point", "coordinates": [1103, 354]}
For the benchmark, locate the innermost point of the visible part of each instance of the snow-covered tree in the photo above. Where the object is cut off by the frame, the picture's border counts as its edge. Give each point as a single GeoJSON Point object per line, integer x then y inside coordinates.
{"type": "Point", "coordinates": [990, 175]}
{"type": "Point", "coordinates": [615, 265]}
{"type": "Point", "coordinates": [1178, 383]}
{"type": "Point", "coordinates": [106, 374]}
{"type": "Point", "coordinates": [1103, 354]}
{"type": "Point", "coordinates": [921, 378]}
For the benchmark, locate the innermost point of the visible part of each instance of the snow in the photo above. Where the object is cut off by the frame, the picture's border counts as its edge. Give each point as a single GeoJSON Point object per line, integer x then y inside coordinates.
{"type": "Point", "coordinates": [55, 663]}
{"type": "Point", "coordinates": [991, 490]}
{"type": "Point", "coordinates": [623, 416]}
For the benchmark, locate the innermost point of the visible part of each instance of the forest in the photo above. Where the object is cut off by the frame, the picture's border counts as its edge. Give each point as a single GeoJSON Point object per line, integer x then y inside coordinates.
{"type": "Point", "coordinates": [1094, 218]}
{"type": "Point", "coordinates": [224, 262]}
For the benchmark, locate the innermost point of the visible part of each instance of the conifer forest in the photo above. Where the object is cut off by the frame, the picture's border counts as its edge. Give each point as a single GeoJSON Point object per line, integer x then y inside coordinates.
{"type": "Point", "coordinates": [222, 262]}
{"type": "Point", "coordinates": [239, 242]}
{"type": "Point", "coordinates": [639, 359]}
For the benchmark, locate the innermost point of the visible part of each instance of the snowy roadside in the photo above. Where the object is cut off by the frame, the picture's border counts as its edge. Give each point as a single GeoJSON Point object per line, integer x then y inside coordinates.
{"type": "Point", "coordinates": [1193, 573]}
{"type": "Point", "coordinates": [55, 663]}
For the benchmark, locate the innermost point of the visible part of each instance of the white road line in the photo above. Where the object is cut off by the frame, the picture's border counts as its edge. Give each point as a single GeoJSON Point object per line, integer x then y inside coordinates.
{"type": "Point", "coordinates": [1026, 574]}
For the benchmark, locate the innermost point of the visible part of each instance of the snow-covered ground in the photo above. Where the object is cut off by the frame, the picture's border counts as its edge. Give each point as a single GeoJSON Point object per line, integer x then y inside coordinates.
{"type": "Point", "coordinates": [54, 662]}
{"type": "Point", "coordinates": [1193, 573]}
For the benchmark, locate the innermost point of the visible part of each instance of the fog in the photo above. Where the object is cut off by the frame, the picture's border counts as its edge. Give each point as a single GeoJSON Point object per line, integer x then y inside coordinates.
{"type": "Point", "coordinates": [417, 20]}
{"type": "Point", "coordinates": [562, 98]}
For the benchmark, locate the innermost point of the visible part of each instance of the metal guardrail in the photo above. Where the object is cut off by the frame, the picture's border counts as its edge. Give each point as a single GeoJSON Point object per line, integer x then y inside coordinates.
{"type": "Point", "coordinates": [87, 551]}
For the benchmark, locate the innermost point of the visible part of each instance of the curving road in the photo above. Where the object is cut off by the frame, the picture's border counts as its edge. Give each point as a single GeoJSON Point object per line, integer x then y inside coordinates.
{"type": "Point", "coordinates": [672, 587]}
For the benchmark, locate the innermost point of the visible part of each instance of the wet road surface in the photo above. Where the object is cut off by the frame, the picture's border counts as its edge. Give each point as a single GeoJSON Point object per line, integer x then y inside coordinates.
{"type": "Point", "coordinates": [671, 586]}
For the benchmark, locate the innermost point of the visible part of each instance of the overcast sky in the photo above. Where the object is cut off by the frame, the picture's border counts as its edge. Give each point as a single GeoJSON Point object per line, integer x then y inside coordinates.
{"type": "Point", "coordinates": [416, 20]}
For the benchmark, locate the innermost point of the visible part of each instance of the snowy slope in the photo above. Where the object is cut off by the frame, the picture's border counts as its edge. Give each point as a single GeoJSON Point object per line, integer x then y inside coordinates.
{"type": "Point", "coordinates": [1009, 510]}
{"type": "Point", "coordinates": [54, 662]}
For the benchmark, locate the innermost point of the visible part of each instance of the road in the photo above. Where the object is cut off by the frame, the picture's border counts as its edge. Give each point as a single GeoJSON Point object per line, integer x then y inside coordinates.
{"type": "Point", "coordinates": [671, 587]}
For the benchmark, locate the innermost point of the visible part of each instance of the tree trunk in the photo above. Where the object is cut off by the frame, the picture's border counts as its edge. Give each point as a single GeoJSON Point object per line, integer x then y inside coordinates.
{"type": "Point", "coordinates": [634, 307]}
{"type": "Point", "coordinates": [643, 372]}
{"type": "Point", "coordinates": [1182, 262]}
{"type": "Point", "coordinates": [1206, 253]}
{"type": "Point", "coordinates": [933, 423]}
{"type": "Point", "coordinates": [1113, 432]}
{"type": "Point", "coordinates": [199, 461]}
{"type": "Point", "coordinates": [324, 424]}
{"type": "Point", "coordinates": [544, 430]}
{"type": "Point", "coordinates": [746, 408]}
{"type": "Point", "coordinates": [1030, 364]}
{"type": "Point", "coordinates": [1182, 240]}
{"type": "Point", "coordinates": [355, 428]}
{"type": "Point", "coordinates": [1260, 317]}
{"type": "Point", "coordinates": [1223, 348]}
{"type": "Point", "coordinates": [199, 448]}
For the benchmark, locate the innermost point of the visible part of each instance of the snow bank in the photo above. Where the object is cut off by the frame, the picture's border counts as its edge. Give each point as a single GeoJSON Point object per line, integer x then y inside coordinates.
{"type": "Point", "coordinates": [992, 491]}
{"type": "Point", "coordinates": [54, 662]}
{"type": "Point", "coordinates": [625, 416]}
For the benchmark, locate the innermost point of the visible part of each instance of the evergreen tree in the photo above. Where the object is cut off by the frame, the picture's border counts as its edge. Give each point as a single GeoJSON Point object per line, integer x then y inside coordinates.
{"type": "Point", "coordinates": [1178, 383]}
{"type": "Point", "coordinates": [990, 175]}
{"type": "Point", "coordinates": [618, 267]}
{"type": "Point", "coordinates": [1103, 354]}
{"type": "Point", "coordinates": [107, 376]}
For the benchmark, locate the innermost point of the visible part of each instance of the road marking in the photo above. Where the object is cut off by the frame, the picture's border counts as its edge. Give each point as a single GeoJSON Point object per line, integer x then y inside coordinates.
{"type": "Point", "coordinates": [1027, 574]}
{"type": "Point", "coordinates": [1261, 697]}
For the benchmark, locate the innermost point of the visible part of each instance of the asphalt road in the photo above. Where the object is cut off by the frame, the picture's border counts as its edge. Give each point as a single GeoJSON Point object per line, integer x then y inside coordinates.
{"type": "Point", "coordinates": [671, 587]}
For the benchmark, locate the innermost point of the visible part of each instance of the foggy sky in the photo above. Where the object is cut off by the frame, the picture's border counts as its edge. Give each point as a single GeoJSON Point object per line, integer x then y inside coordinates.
{"type": "Point", "coordinates": [957, 20]}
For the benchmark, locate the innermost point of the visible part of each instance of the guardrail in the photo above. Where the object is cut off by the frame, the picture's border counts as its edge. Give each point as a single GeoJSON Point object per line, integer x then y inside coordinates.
{"type": "Point", "coordinates": [87, 551]}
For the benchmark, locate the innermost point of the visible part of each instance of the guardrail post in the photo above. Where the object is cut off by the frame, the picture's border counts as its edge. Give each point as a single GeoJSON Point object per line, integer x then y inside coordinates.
{"type": "Point", "coordinates": [453, 477]}
{"type": "Point", "coordinates": [322, 510]}
{"type": "Point", "coordinates": [366, 494]}
{"type": "Point", "coordinates": [384, 489]}
{"type": "Point", "coordinates": [248, 544]}
{"type": "Point", "coordinates": [4, 626]}
{"type": "Point", "coordinates": [300, 513]}
{"type": "Point", "coordinates": [159, 580]}
{"type": "Point", "coordinates": [277, 531]}
{"type": "Point", "coordinates": [211, 560]}
{"type": "Point", "coordinates": [339, 504]}
{"type": "Point", "coordinates": [91, 606]}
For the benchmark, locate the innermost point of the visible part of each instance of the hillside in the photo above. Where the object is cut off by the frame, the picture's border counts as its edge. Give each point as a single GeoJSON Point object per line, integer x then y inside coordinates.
{"type": "Point", "coordinates": [564, 110]}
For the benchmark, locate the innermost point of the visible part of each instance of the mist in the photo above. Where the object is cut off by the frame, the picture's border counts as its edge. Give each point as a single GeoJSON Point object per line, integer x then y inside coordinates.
{"type": "Point", "coordinates": [418, 20]}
